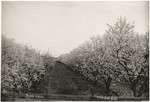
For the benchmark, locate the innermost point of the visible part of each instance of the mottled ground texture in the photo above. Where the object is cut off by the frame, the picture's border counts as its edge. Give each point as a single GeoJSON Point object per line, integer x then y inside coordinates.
{"type": "Point", "coordinates": [62, 80]}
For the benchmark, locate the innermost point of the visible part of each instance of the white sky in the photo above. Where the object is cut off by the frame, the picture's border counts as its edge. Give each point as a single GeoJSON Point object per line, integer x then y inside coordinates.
{"type": "Point", "coordinates": [61, 26]}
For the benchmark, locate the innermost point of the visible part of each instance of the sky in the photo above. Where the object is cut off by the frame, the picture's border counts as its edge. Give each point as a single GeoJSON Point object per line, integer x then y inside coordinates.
{"type": "Point", "coordinates": [60, 26]}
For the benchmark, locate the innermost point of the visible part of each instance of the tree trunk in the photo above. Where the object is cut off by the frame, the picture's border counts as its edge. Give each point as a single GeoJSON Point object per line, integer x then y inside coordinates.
{"type": "Point", "coordinates": [107, 84]}
{"type": "Point", "coordinates": [134, 93]}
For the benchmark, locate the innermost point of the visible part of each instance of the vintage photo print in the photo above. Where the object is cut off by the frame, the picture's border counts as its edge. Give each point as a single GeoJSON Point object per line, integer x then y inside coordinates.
{"type": "Point", "coordinates": [75, 51]}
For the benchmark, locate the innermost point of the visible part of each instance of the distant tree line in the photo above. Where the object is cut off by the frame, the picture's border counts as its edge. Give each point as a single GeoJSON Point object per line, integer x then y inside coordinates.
{"type": "Point", "coordinates": [23, 69]}
{"type": "Point", "coordinates": [119, 55]}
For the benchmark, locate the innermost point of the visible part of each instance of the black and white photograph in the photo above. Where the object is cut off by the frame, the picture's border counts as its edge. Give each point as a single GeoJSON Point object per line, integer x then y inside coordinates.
{"type": "Point", "coordinates": [74, 50]}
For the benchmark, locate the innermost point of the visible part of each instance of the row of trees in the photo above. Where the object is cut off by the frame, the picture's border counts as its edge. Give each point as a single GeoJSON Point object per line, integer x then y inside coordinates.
{"type": "Point", "coordinates": [23, 68]}
{"type": "Point", "coordinates": [120, 55]}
